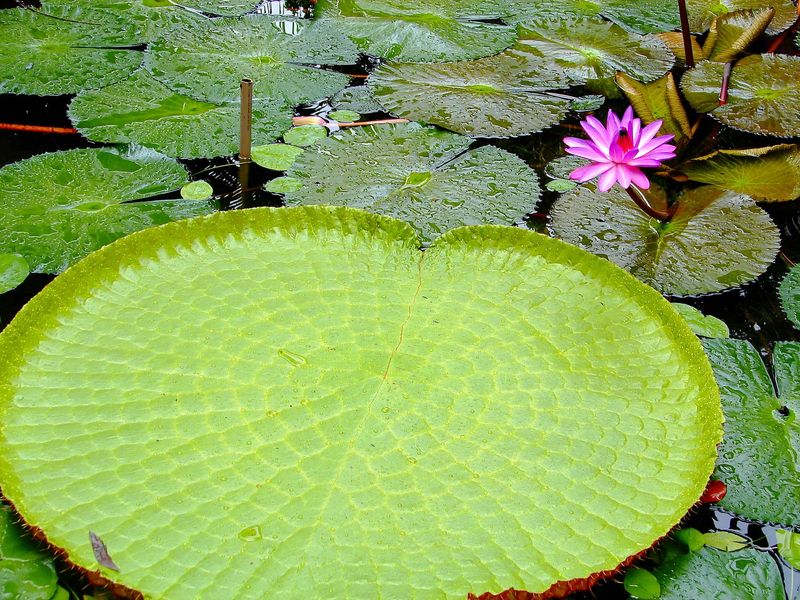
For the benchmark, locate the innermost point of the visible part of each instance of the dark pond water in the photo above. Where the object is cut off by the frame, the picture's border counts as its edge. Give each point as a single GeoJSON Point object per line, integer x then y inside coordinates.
{"type": "Point", "coordinates": [752, 312]}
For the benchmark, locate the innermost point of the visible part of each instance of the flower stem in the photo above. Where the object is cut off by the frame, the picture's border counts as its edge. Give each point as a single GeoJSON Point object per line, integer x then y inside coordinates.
{"type": "Point", "coordinates": [726, 77]}
{"type": "Point", "coordinates": [638, 197]}
{"type": "Point", "coordinates": [687, 35]}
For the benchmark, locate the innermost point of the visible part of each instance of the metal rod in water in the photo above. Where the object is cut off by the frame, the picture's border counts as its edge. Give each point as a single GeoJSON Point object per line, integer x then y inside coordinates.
{"type": "Point", "coordinates": [245, 119]}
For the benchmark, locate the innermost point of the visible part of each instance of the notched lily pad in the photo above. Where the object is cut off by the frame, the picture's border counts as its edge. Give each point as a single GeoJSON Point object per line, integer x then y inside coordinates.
{"type": "Point", "coordinates": [46, 56]}
{"type": "Point", "coordinates": [208, 60]}
{"type": "Point", "coordinates": [375, 389]}
{"type": "Point", "coordinates": [716, 240]}
{"type": "Point", "coordinates": [58, 207]}
{"type": "Point", "coordinates": [14, 270]}
{"type": "Point", "coordinates": [702, 325]}
{"type": "Point", "coordinates": [790, 295]}
{"type": "Point", "coordinates": [762, 96]}
{"type": "Point", "coordinates": [769, 174]}
{"type": "Point", "coordinates": [142, 110]}
{"type": "Point", "coordinates": [419, 174]}
{"type": "Point", "coordinates": [756, 458]}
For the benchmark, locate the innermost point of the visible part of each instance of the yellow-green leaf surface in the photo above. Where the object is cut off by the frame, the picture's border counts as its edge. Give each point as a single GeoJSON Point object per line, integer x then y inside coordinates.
{"type": "Point", "coordinates": [361, 419]}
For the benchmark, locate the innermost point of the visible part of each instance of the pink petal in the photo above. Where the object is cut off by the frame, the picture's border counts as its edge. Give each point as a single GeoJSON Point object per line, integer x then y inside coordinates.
{"type": "Point", "coordinates": [606, 180]}
{"type": "Point", "coordinates": [595, 130]}
{"type": "Point", "coordinates": [624, 175]}
{"type": "Point", "coordinates": [627, 117]}
{"type": "Point", "coordinates": [659, 143]}
{"type": "Point", "coordinates": [615, 153]}
{"type": "Point", "coordinates": [589, 153]}
{"type": "Point", "coordinates": [635, 131]}
{"type": "Point", "coordinates": [650, 131]}
{"type": "Point", "coordinates": [590, 171]}
{"type": "Point", "coordinates": [579, 143]}
{"type": "Point", "coordinates": [640, 179]}
{"type": "Point", "coordinates": [612, 124]}
{"type": "Point", "coordinates": [644, 162]}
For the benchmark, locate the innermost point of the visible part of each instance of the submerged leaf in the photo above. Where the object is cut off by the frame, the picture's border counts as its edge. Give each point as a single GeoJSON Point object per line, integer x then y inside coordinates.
{"type": "Point", "coordinates": [13, 271]}
{"type": "Point", "coordinates": [58, 207]}
{"type": "Point", "coordinates": [480, 406]}
{"type": "Point", "coordinates": [757, 458]}
{"type": "Point", "coordinates": [716, 239]}
{"type": "Point", "coordinates": [143, 111]}
{"type": "Point", "coordinates": [25, 571]}
{"type": "Point", "coordinates": [706, 326]}
{"type": "Point", "coordinates": [769, 174]}
{"type": "Point", "coordinates": [659, 99]}
{"type": "Point", "coordinates": [789, 292]}
{"type": "Point", "coordinates": [763, 94]}
{"type": "Point", "coordinates": [423, 175]}
{"type": "Point", "coordinates": [47, 56]}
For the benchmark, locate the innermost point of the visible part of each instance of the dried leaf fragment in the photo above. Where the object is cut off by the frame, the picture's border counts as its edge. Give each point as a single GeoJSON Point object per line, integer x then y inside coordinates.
{"type": "Point", "coordinates": [101, 552]}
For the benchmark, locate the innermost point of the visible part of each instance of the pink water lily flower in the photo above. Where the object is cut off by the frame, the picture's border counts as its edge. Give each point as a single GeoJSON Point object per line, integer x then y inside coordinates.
{"type": "Point", "coordinates": [617, 150]}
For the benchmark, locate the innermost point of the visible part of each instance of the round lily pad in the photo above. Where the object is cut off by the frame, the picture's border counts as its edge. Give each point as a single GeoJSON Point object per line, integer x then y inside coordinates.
{"type": "Point", "coordinates": [277, 157]}
{"type": "Point", "coordinates": [283, 185]}
{"type": "Point", "coordinates": [197, 190]}
{"type": "Point", "coordinates": [13, 271]}
{"type": "Point", "coordinates": [58, 207]}
{"type": "Point", "coordinates": [790, 295]}
{"type": "Point", "coordinates": [420, 31]}
{"type": "Point", "coordinates": [716, 239]}
{"type": "Point", "coordinates": [423, 175]}
{"type": "Point", "coordinates": [305, 135]}
{"type": "Point", "coordinates": [143, 111]}
{"type": "Point", "coordinates": [763, 478]}
{"type": "Point", "coordinates": [497, 96]}
{"type": "Point", "coordinates": [465, 417]}
{"type": "Point", "coordinates": [703, 325]}
{"type": "Point", "coordinates": [762, 96]}
{"type": "Point", "coordinates": [703, 12]}
{"type": "Point", "coordinates": [771, 173]}
{"type": "Point", "coordinates": [589, 49]}
{"type": "Point", "coordinates": [208, 60]}
{"type": "Point", "coordinates": [46, 56]}
{"type": "Point", "coordinates": [344, 116]}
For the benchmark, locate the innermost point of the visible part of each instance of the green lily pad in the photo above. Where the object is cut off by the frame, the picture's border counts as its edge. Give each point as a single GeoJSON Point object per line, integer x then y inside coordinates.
{"type": "Point", "coordinates": [283, 185]}
{"type": "Point", "coordinates": [480, 406]}
{"type": "Point", "coordinates": [344, 116]}
{"type": "Point", "coordinates": [197, 190]}
{"type": "Point", "coordinates": [560, 185]}
{"type": "Point", "coordinates": [716, 240]}
{"type": "Point", "coordinates": [277, 157]}
{"type": "Point", "coordinates": [702, 325]}
{"type": "Point", "coordinates": [13, 270]}
{"type": "Point", "coordinates": [520, 12]}
{"type": "Point", "coordinates": [143, 111]}
{"type": "Point", "coordinates": [497, 96]}
{"type": "Point", "coordinates": [659, 99]}
{"type": "Point", "coordinates": [357, 98]}
{"type": "Point", "coordinates": [588, 103]}
{"type": "Point", "coordinates": [422, 175]}
{"type": "Point", "coordinates": [208, 60]}
{"type": "Point", "coordinates": [153, 8]}
{"type": "Point", "coordinates": [305, 135]}
{"type": "Point", "coordinates": [710, 574]}
{"type": "Point", "coordinates": [641, 583]}
{"type": "Point", "coordinates": [790, 295]}
{"type": "Point", "coordinates": [47, 56]}
{"type": "Point", "coordinates": [223, 8]}
{"type": "Point", "coordinates": [725, 540]}
{"type": "Point", "coordinates": [58, 207]}
{"type": "Point", "coordinates": [762, 96]}
{"type": "Point", "coordinates": [703, 12]}
{"type": "Point", "coordinates": [25, 571]}
{"type": "Point", "coordinates": [732, 33]}
{"type": "Point", "coordinates": [770, 174]}
{"type": "Point", "coordinates": [789, 546]}
{"type": "Point", "coordinates": [589, 49]}
{"type": "Point", "coordinates": [757, 455]}
{"type": "Point", "coordinates": [561, 167]}
{"type": "Point", "coordinates": [421, 31]}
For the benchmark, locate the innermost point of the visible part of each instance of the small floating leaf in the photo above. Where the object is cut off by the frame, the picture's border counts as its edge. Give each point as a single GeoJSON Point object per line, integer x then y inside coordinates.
{"type": "Point", "coordinates": [725, 540]}
{"type": "Point", "coordinates": [143, 111]}
{"type": "Point", "coordinates": [420, 31]}
{"type": "Point", "coordinates": [58, 207]}
{"type": "Point", "coordinates": [789, 292]}
{"type": "Point", "coordinates": [560, 185]}
{"type": "Point", "coordinates": [769, 174]}
{"type": "Point", "coordinates": [710, 573]}
{"type": "Point", "coordinates": [25, 571]}
{"type": "Point", "coordinates": [789, 546]}
{"type": "Point", "coordinates": [756, 458]}
{"type": "Point", "coordinates": [702, 325]}
{"type": "Point", "coordinates": [344, 116]}
{"type": "Point", "coordinates": [518, 371]}
{"type": "Point", "coordinates": [101, 552]}
{"type": "Point", "coordinates": [197, 190]}
{"type": "Point", "coordinates": [207, 59]}
{"type": "Point", "coordinates": [641, 583]}
{"type": "Point", "coordinates": [47, 56]}
{"type": "Point", "coordinates": [305, 135]}
{"type": "Point", "coordinates": [659, 99]}
{"type": "Point", "coordinates": [277, 157]}
{"type": "Point", "coordinates": [716, 239]}
{"type": "Point", "coordinates": [691, 538]}
{"type": "Point", "coordinates": [283, 185]}
{"type": "Point", "coordinates": [762, 97]}
{"type": "Point", "coordinates": [420, 174]}
{"type": "Point", "coordinates": [13, 271]}
{"type": "Point", "coordinates": [587, 103]}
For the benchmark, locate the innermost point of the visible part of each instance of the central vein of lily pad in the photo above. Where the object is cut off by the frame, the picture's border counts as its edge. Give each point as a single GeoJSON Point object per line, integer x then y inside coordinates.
{"type": "Point", "coordinates": [417, 179]}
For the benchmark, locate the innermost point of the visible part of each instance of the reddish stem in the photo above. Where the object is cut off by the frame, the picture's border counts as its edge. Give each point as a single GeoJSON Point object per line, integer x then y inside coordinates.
{"type": "Point", "coordinates": [638, 197]}
{"type": "Point", "coordinates": [37, 128]}
{"type": "Point", "coordinates": [726, 77]}
{"type": "Point", "coordinates": [778, 41]}
{"type": "Point", "coordinates": [687, 35]}
{"type": "Point", "coordinates": [379, 122]}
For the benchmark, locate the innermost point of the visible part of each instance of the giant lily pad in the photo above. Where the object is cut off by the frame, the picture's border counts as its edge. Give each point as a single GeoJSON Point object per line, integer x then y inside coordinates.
{"type": "Point", "coordinates": [790, 295]}
{"type": "Point", "coordinates": [703, 12]}
{"type": "Point", "coordinates": [421, 31]}
{"type": "Point", "coordinates": [464, 417]}
{"type": "Point", "coordinates": [716, 239]}
{"type": "Point", "coordinates": [58, 207]}
{"type": "Point", "coordinates": [771, 173]}
{"type": "Point", "coordinates": [757, 459]}
{"type": "Point", "coordinates": [589, 49]}
{"type": "Point", "coordinates": [495, 96]}
{"type": "Point", "coordinates": [48, 56]}
{"type": "Point", "coordinates": [208, 59]}
{"type": "Point", "coordinates": [422, 175]}
{"type": "Point", "coordinates": [146, 112]}
{"type": "Point", "coordinates": [762, 97]}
